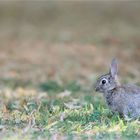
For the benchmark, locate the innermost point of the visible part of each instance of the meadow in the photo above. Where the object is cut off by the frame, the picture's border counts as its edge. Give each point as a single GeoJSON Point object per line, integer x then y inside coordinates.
{"type": "Point", "coordinates": [51, 54]}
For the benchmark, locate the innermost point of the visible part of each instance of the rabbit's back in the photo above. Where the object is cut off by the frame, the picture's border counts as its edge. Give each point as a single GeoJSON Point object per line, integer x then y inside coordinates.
{"type": "Point", "coordinates": [132, 89]}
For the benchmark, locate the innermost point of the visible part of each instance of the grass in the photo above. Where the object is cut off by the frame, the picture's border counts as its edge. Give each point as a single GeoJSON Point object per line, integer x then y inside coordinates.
{"type": "Point", "coordinates": [30, 114]}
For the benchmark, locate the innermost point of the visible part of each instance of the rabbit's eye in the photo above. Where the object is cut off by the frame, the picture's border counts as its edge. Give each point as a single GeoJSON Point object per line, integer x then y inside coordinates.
{"type": "Point", "coordinates": [103, 82]}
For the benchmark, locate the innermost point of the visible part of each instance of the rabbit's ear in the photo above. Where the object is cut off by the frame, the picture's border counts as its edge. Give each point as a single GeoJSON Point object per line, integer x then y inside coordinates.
{"type": "Point", "coordinates": [114, 68]}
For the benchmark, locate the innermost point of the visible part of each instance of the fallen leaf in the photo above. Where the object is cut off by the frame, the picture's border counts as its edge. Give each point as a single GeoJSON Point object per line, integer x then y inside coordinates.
{"type": "Point", "coordinates": [64, 94]}
{"type": "Point", "coordinates": [72, 105]}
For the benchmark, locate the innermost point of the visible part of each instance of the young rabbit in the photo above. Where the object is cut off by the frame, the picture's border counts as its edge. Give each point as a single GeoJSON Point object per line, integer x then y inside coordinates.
{"type": "Point", "coordinates": [124, 99]}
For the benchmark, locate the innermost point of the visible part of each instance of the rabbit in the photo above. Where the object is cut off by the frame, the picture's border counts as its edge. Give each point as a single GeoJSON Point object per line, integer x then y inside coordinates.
{"type": "Point", "coordinates": [124, 99]}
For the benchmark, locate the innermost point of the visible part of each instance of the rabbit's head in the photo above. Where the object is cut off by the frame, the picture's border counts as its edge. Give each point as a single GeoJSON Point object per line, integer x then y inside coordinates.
{"type": "Point", "coordinates": [108, 81]}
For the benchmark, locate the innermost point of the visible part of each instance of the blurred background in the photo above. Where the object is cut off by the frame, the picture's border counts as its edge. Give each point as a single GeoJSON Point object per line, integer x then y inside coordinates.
{"type": "Point", "coordinates": [68, 41]}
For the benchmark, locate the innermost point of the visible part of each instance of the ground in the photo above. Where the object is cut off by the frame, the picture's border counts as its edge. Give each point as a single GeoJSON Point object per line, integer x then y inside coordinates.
{"type": "Point", "coordinates": [50, 56]}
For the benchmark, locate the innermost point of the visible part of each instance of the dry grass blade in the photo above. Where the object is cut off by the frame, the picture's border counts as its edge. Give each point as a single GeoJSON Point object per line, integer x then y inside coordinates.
{"type": "Point", "coordinates": [64, 94]}
{"type": "Point", "coordinates": [72, 105]}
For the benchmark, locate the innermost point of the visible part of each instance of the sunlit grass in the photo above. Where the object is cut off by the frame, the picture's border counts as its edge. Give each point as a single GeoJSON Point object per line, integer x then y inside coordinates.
{"type": "Point", "coordinates": [78, 115]}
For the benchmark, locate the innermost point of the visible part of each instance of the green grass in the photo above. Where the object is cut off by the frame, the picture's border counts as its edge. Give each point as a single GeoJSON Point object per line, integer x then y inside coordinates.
{"type": "Point", "coordinates": [54, 86]}
{"type": "Point", "coordinates": [48, 115]}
